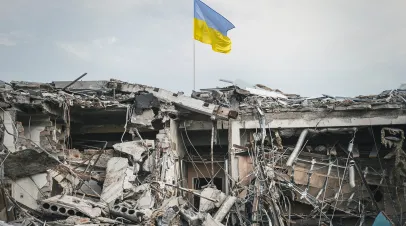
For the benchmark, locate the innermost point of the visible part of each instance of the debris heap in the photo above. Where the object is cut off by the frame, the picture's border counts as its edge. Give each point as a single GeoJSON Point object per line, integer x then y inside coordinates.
{"type": "Point", "coordinates": [115, 153]}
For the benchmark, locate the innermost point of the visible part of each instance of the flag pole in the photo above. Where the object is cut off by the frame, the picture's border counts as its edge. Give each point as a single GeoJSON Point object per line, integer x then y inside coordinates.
{"type": "Point", "coordinates": [194, 63]}
{"type": "Point", "coordinates": [194, 49]}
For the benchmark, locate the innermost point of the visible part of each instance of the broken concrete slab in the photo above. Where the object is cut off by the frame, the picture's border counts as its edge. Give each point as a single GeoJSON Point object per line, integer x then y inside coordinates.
{"type": "Point", "coordinates": [213, 193]}
{"type": "Point", "coordinates": [146, 201]}
{"type": "Point", "coordinates": [29, 190]}
{"type": "Point", "coordinates": [70, 206]}
{"type": "Point", "coordinates": [117, 179]}
{"type": "Point", "coordinates": [144, 118]}
{"type": "Point", "coordinates": [31, 85]}
{"type": "Point", "coordinates": [209, 221]}
{"type": "Point", "coordinates": [135, 148]}
{"type": "Point", "coordinates": [134, 215]}
{"type": "Point", "coordinates": [99, 85]}
{"type": "Point", "coordinates": [180, 100]}
{"type": "Point", "coordinates": [28, 162]}
{"type": "Point", "coordinates": [225, 208]}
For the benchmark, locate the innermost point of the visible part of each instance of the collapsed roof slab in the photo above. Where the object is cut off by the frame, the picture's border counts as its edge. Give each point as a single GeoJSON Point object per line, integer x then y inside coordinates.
{"type": "Point", "coordinates": [181, 100]}
{"type": "Point", "coordinates": [28, 162]}
{"type": "Point", "coordinates": [311, 120]}
{"type": "Point", "coordinates": [327, 119]}
{"type": "Point", "coordinates": [98, 85]}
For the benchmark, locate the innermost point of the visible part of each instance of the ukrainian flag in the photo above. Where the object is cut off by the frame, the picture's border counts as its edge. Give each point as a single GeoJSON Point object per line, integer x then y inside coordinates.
{"type": "Point", "coordinates": [211, 28]}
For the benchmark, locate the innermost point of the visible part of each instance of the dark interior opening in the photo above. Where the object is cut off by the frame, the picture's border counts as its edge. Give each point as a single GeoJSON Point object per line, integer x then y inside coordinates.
{"type": "Point", "coordinates": [376, 191]}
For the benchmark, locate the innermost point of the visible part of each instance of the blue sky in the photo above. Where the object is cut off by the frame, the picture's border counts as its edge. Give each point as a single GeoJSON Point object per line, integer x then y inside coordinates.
{"type": "Point", "coordinates": [308, 47]}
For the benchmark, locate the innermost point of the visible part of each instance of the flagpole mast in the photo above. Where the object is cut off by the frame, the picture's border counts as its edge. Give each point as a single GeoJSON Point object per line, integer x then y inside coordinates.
{"type": "Point", "coordinates": [194, 50]}
{"type": "Point", "coordinates": [194, 63]}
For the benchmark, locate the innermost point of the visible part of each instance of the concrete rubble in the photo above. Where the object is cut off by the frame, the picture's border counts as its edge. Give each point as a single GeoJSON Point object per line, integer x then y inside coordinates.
{"type": "Point", "coordinates": [116, 153]}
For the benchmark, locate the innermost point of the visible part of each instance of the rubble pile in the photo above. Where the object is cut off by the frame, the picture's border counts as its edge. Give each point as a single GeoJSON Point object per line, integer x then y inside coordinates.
{"type": "Point", "coordinates": [115, 153]}
{"type": "Point", "coordinates": [130, 182]}
{"type": "Point", "coordinates": [246, 97]}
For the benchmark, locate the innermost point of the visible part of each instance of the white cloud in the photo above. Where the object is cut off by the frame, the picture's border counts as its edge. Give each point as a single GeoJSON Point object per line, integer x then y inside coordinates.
{"type": "Point", "coordinates": [14, 37]}
{"type": "Point", "coordinates": [6, 41]}
{"type": "Point", "coordinates": [78, 50]}
{"type": "Point", "coordinates": [94, 50]}
{"type": "Point", "coordinates": [112, 40]}
{"type": "Point", "coordinates": [116, 7]}
{"type": "Point", "coordinates": [103, 42]}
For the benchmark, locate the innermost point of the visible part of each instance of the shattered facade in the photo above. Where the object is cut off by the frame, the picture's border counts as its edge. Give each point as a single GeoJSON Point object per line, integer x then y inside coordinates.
{"type": "Point", "coordinates": [115, 153]}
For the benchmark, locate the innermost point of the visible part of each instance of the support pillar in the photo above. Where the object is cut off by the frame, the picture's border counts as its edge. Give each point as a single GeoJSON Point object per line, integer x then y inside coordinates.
{"type": "Point", "coordinates": [233, 138]}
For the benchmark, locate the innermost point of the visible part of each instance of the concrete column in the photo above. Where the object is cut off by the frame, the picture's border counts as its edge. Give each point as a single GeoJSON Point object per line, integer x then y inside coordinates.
{"type": "Point", "coordinates": [233, 138]}
{"type": "Point", "coordinates": [169, 170]}
{"type": "Point", "coordinates": [176, 142]}
{"type": "Point", "coordinates": [227, 181]}
{"type": "Point", "coordinates": [178, 148]}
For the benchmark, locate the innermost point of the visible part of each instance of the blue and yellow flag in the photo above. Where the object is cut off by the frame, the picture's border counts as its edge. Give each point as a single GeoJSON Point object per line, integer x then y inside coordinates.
{"type": "Point", "coordinates": [211, 28]}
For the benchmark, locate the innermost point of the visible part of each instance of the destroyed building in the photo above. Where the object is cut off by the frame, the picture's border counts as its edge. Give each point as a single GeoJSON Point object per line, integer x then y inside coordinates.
{"type": "Point", "coordinates": [115, 153]}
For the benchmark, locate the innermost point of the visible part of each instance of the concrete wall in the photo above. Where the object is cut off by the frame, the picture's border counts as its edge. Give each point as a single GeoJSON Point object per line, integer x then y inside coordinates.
{"type": "Point", "coordinates": [27, 190]}
{"type": "Point", "coordinates": [34, 127]}
{"type": "Point", "coordinates": [8, 119]}
{"type": "Point", "coordinates": [245, 167]}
